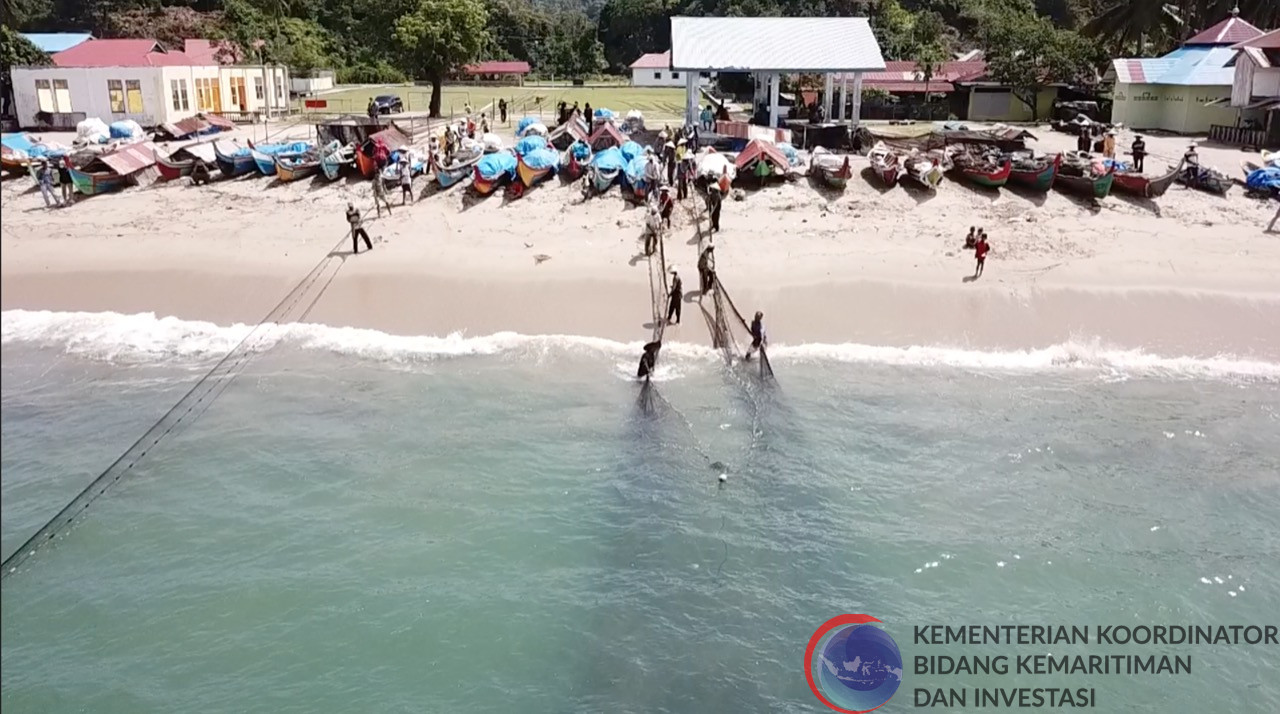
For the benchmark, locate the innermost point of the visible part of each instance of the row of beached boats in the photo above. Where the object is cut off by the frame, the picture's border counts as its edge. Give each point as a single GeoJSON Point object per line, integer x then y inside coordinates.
{"type": "Point", "coordinates": [1074, 172]}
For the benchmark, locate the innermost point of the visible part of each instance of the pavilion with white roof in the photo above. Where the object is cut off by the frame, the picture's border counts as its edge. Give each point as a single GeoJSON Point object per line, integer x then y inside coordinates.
{"type": "Point", "coordinates": [769, 47]}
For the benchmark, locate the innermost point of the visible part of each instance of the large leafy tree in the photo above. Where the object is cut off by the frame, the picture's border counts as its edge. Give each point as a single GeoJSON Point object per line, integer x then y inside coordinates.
{"type": "Point", "coordinates": [929, 47]}
{"type": "Point", "coordinates": [1028, 52]}
{"type": "Point", "coordinates": [630, 28]}
{"type": "Point", "coordinates": [571, 49]}
{"type": "Point", "coordinates": [1131, 23]}
{"type": "Point", "coordinates": [439, 36]}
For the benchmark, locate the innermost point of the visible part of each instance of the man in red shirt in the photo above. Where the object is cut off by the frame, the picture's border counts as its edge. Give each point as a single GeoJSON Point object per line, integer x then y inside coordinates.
{"type": "Point", "coordinates": [980, 251]}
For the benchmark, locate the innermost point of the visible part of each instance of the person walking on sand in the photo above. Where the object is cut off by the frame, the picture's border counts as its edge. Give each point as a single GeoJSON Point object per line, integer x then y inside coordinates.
{"type": "Point", "coordinates": [357, 230]}
{"type": "Point", "coordinates": [665, 205]}
{"type": "Point", "coordinates": [44, 177]}
{"type": "Point", "coordinates": [715, 199]}
{"type": "Point", "coordinates": [1271, 226]}
{"type": "Point", "coordinates": [1109, 145]}
{"type": "Point", "coordinates": [980, 251]}
{"type": "Point", "coordinates": [502, 110]}
{"type": "Point", "coordinates": [970, 240]}
{"type": "Point", "coordinates": [675, 297]}
{"type": "Point", "coordinates": [707, 269]}
{"type": "Point", "coordinates": [1139, 152]}
{"type": "Point", "coordinates": [406, 181]}
{"type": "Point", "coordinates": [380, 198]}
{"type": "Point", "coordinates": [652, 230]}
{"type": "Point", "coordinates": [64, 181]}
{"type": "Point", "coordinates": [484, 125]}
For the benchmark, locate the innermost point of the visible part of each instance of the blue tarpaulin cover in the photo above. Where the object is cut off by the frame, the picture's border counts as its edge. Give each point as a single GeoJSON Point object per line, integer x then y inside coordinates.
{"type": "Point", "coordinates": [530, 143]}
{"type": "Point", "coordinates": [494, 165]}
{"type": "Point", "coordinates": [611, 159]}
{"type": "Point", "coordinates": [631, 150]}
{"type": "Point", "coordinates": [580, 150]}
{"type": "Point", "coordinates": [1267, 177]}
{"type": "Point", "coordinates": [543, 158]}
{"type": "Point", "coordinates": [296, 147]}
{"type": "Point", "coordinates": [525, 123]}
{"type": "Point", "coordinates": [635, 170]}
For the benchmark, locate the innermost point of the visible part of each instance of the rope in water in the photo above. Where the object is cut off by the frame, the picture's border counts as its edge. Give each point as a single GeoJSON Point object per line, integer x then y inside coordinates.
{"type": "Point", "coordinates": [187, 409]}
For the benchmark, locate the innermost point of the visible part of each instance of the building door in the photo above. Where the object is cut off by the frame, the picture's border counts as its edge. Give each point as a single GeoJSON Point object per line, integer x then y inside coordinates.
{"type": "Point", "coordinates": [238, 93]}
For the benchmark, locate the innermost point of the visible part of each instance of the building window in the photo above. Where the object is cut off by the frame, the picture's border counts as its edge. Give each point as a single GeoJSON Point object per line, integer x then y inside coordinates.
{"type": "Point", "coordinates": [657, 75]}
{"type": "Point", "coordinates": [675, 75]}
{"type": "Point", "coordinates": [179, 89]}
{"type": "Point", "coordinates": [705, 75]}
{"type": "Point", "coordinates": [208, 94]}
{"type": "Point", "coordinates": [44, 94]}
{"type": "Point", "coordinates": [115, 91]}
{"type": "Point", "coordinates": [257, 88]}
{"type": "Point", "coordinates": [133, 90]}
{"type": "Point", "coordinates": [61, 95]}
{"type": "Point", "coordinates": [279, 86]}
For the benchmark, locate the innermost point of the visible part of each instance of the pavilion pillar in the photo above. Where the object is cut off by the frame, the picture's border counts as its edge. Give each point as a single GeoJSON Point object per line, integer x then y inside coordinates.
{"type": "Point", "coordinates": [828, 111]}
{"type": "Point", "coordinates": [775, 80]}
{"type": "Point", "coordinates": [690, 97]}
{"type": "Point", "coordinates": [844, 95]}
{"type": "Point", "coordinates": [856, 114]}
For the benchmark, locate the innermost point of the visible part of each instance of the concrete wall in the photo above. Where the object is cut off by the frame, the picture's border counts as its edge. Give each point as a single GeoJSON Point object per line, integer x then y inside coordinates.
{"type": "Point", "coordinates": [308, 85]}
{"type": "Point", "coordinates": [1173, 108]}
{"type": "Point", "coordinates": [227, 101]}
{"type": "Point", "coordinates": [88, 93]}
{"type": "Point", "coordinates": [669, 78]}
{"type": "Point", "coordinates": [997, 104]}
{"type": "Point", "coordinates": [1138, 106]}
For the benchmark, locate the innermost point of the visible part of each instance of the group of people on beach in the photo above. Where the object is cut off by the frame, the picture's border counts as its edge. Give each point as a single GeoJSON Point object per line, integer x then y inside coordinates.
{"type": "Point", "coordinates": [977, 242]}
{"type": "Point", "coordinates": [49, 175]}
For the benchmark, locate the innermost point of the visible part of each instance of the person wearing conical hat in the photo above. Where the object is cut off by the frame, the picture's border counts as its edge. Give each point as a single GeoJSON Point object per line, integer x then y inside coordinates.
{"type": "Point", "coordinates": [674, 298]}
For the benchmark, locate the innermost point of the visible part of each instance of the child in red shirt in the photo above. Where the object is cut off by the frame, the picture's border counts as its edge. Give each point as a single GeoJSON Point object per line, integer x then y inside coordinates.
{"type": "Point", "coordinates": [980, 251]}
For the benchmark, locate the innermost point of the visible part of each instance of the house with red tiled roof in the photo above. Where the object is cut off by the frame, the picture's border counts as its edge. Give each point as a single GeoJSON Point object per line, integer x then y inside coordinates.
{"type": "Point", "coordinates": [654, 70]}
{"type": "Point", "coordinates": [1188, 90]}
{"type": "Point", "coordinates": [142, 80]}
{"type": "Point", "coordinates": [496, 72]}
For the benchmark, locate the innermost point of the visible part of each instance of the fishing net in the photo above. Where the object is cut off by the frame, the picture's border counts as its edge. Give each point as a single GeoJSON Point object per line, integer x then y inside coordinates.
{"type": "Point", "coordinates": [730, 332]}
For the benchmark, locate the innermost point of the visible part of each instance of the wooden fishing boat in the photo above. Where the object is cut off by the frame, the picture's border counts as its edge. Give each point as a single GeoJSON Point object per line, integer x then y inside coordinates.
{"type": "Point", "coordinates": [335, 162]}
{"type": "Point", "coordinates": [230, 161]}
{"type": "Point", "coordinates": [829, 172]}
{"type": "Point", "coordinates": [365, 165]}
{"type": "Point", "coordinates": [92, 183]}
{"type": "Point", "coordinates": [1092, 186]}
{"type": "Point", "coordinates": [530, 176]}
{"type": "Point", "coordinates": [1135, 184]}
{"type": "Point", "coordinates": [180, 161]}
{"type": "Point", "coordinates": [572, 169]}
{"type": "Point", "coordinates": [884, 162]}
{"type": "Point", "coordinates": [1206, 179]}
{"type": "Point", "coordinates": [602, 179]}
{"type": "Point", "coordinates": [294, 167]}
{"type": "Point", "coordinates": [447, 176]}
{"type": "Point", "coordinates": [266, 163]}
{"type": "Point", "coordinates": [924, 170]}
{"type": "Point", "coordinates": [1040, 178]}
{"type": "Point", "coordinates": [981, 173]}
{"type": "Point", "coordinates": [484, 186]}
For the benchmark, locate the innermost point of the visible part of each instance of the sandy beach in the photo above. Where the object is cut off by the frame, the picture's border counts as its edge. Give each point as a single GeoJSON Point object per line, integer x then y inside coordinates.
{"type": "Point", "coordinates": [1188, 274]}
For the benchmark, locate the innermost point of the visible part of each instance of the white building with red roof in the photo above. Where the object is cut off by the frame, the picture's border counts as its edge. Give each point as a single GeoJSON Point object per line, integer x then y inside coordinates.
{"type": "Point", "coordinates": [1186, 91]}
{"type": "Point", "coordinates": [654, 70]}
{"type": "Point", "coordinates": [140, 79]}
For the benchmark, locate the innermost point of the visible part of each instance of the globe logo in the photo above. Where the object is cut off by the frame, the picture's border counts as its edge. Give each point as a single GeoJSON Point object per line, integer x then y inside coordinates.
{"type": "Point", "coordinates": [852, 666]}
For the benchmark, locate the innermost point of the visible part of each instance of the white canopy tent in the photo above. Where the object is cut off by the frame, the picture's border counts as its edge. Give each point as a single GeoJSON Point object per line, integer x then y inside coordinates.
{"type": "Point", "coordinates": [769, 47]}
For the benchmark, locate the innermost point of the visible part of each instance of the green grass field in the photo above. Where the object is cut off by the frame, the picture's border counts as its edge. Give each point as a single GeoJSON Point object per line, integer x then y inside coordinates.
{"type": "Point", "coordinates": [529, 100]}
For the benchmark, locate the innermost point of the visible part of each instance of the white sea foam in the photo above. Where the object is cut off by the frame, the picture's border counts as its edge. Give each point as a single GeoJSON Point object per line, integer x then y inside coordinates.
{"type": "Point", "coordinates": [114, 336]}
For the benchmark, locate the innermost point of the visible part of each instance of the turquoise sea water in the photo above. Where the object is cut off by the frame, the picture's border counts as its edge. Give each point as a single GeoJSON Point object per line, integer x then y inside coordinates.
{"type": "Point", "coordinates": [366, 523]}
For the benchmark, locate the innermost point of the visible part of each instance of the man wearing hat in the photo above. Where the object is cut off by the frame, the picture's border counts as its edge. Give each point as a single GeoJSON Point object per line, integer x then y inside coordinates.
{"type": "Point", "coordinates": [1139, 153]}
{"type": "Point", "coordinates": [406, 179]}
{"type": "Point", "coordinates": [1192, 160]}
{"type": "Point", "coordinates": [44, 177]}
{"type": "Point", "coordinates": [357, 230]}
{"type": "Point", "coordinates": [707, 269]}
{"type": "Point", "coordinates": [669, 158]}
{"type": "Point", "coordinates": [675, 297]}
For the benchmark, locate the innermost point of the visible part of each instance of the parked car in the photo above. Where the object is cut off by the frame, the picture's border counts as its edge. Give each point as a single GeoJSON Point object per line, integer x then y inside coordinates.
{"type": "Point", "coordinates": [388, 104]}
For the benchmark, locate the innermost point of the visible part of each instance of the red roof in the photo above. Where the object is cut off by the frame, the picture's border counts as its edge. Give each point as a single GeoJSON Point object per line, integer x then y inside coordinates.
{"type": "Point", "coordinates": [653, 60]}
{"type": "Point", "coordinates": [205, 52]}
{"type": "Point", "coordinates": [1269, 41]}
{"type": "Point", "coordinates": [904, 77]}
{"type": "Point", "coordinates": [1227, 32]}
{"type": "Point", "coordinates": [120, 53]}
{"type": "Point", "coordinates": [495, 67]}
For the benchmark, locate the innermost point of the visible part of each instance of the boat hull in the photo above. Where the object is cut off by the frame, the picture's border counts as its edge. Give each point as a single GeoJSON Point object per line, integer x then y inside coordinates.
{"type": "Point", "coordinates": [172, 170]}
{"type": "Point", "coordinates": [1040, 181]}
{"type": "Point", "coordinates": [986, 179]}
{"type": "Point", "coordinates": [1217, 185]}
{"type": "Point", "coordinates": [530, 176]}
{"type": "Point", "coordinates": [366, 165]}
{"type": "Point", "coordinates": [92, 184]}
{"type": "Point", "coordinates": [332, 166]}
{"type": "Point", "coordinates": [484, 186]}
{"type": "Point", "coordinates": [289, 171]}
{"type": "Point", "coordinates": [1091, 187]}
{"type": "Point", "coordinates": [234, 165]}
{"type": "Point", "coordinates": [266, 163]}
{"type": "Point", "coordinates": [602, 180]}
{"type": "Point", "coordinates": [1143, 186]}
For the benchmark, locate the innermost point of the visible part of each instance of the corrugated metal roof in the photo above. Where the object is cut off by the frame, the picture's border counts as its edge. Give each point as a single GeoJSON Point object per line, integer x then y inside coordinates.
{"type": "Point", "coordinates": [56, 41]}
{"type": "Point", "coordinates": [1185, 66]}
{"type": "Point", "coordinates": [1227, 32]}
{"type": "Point", "coordinates": [1269, 41]}
{"type": "Point", "coordinates": [120, 53]}
{"type": "Point", "coordinates": [130, 158]}
{"type": "Point", "coordinates": [776, 44]}
{"type": "Point", "coordinates": [653, 60]}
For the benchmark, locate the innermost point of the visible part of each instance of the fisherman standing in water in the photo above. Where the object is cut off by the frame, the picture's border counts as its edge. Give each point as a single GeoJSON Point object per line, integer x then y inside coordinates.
{"type": "Point", "coordinates": [707, 269]}
{"type": "Point", "coordinates": [758, 337]}
{"type": "Point", "coordinates": [648, 360]}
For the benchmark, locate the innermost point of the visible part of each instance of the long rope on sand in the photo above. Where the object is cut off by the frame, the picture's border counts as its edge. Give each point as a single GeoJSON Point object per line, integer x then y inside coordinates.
{"type": "Point", "coordinates": [189, 408]}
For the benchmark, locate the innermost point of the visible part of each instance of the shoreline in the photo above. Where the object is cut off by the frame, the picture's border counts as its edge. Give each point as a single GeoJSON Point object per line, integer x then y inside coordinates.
{"type": "Point", "coordinates": [1165, 322]}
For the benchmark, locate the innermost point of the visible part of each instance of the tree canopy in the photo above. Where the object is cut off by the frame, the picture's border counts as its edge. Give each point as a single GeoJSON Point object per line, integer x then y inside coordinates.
{"type": "Point", "coordinates": [439, 36]}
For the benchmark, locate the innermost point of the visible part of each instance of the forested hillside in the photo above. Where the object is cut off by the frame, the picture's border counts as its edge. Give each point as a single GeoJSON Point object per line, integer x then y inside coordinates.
{"type": "Point", "coordinates": [393, 40]}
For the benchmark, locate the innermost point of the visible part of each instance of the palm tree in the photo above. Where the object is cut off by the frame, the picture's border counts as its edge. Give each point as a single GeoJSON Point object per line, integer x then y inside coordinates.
{"type": "Point", "coordinates": [1128, 22]}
